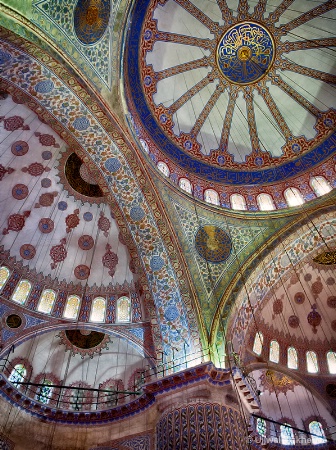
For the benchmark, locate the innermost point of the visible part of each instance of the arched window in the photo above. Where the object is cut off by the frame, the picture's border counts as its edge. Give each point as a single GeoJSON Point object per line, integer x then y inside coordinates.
{"type": "Point", "coordinates": [21, 292]}
{"type": "Point", "coordinates": [331, 359]}
{"type": "Point", "coordinates": [320, 185]}
{"type": "Point", "coordinates": [44, 392]}
{"type": "Point", "coordinates": [274, 351]}
{"type": "Point", "coordinates": [316, 428]}
{"type": "Point", "coordinates": [258, 343]}
{"type": "Point", "coordinates": [293, 197]}
{"type": "Point", "coordinates": [312, 364]}
{"type": "Point", "coordinates": [211, 196]}
{"type": "Point", "coordinates": [71, 307]}
{"type": "Point", "coordinates": [292, 358]}
{"type": "Point", "coordinates": [4, 275]}
{"type": "Point", "coordinates": [265, 202]}
{"type": "Point", "coordinates": [77, 399]}
{"type": "Point", "coordinates": [185, 184]}
{"type": "Point", "coordinates": [287, 435]}
{"type": "Point", "coordinates": [163, 168]}
{"type": "Point", "coordinates": [123, 309]}
{"type": "Point", "coordinates": [47, 301]}
{"type": "Point", "coordinates": [238, 202]}
{"type": "Point", "coordinates": [98, 310]}
{"type": "Point", "coordinates": [17, 375]}
{"type": "Point", "coordinates": [261, 426]}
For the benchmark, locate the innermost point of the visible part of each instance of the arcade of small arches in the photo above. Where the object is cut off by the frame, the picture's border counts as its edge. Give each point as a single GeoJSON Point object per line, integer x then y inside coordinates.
{"type": "Point", "coordinates": [311, 358]}
{"type": "Point", "coordinates": [265, 202]}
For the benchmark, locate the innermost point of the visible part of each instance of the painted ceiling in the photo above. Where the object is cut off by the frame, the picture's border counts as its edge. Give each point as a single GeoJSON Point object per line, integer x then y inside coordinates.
{"type": "Point", "coordinates": [234, 95]}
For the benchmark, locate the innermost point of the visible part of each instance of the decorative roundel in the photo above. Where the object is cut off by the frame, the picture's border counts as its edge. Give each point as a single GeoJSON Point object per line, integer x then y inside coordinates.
{"type": "Point", "coordinates": [13, 321]}
{"type": "Point", "coordinates": [46, 225]}
{"type": "Point", "coordinates": [307, 277]}
{"type": "Point", "coordinates": [46, 155]}
{"type": "Point", "coordinates": [19, 148]}
{"type": "Point", "coordinates": [213, 243]}
{"type": "Point", "coordinates": [299, 298]}
{"type": "Point", "coordinates": [87, 216]}
{"type": "Point", "coordinates": [112, 164]}
{"type": "Point", "coordinates": [317, 286]}
{"type": "Point", "coordinates": [82, 272]}
{"type": "Point", "coordinates": [81, 123]}
{"type": "Point", "coordinates": [85, 242]}
{"type": "Point", "coordinates": [20, 191]}
{"type": "Point", "coordinates": [27, 251]}
{"type": "Point", "coordinates": [62, 206]}
{"type": "Point", "coordinates": [45, 182]}
{"type": "Point", "coordinates": [331, 302]}
{"type": "Point", "coordinates": [330, 281]}
{"type": "Point", "coordinates": [156, 263]}
{"type": "Point", "coordinates": [245, 53]}
{"type": "Point", "coordinates": [91, 19]}
{"type": "Point", "coordinates": [171, 313]}
{"type": "Point", "coordinates": [293, 321]}
{"type": "Point", "coordinates": [44, 87]}
{"type": "Point", "coordinates": [137, 213]}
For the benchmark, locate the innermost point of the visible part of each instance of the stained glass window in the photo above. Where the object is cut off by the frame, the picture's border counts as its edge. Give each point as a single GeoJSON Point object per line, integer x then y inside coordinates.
{"type": "Point", "coordinates": [77, 399]}
{"type": "Point", "coordinates": [45, 392]}
{"type": "Point", "coordinates": [163, 168]}
{"type": "Point", "coordinates": [21, 292]}
{"type": "Point", "coordinates": [185, 185]}
{"type": "Point", "coordinates": [312, 364]}
{"type": "Point", "coordinates": [265, 202]}
{"type": "Point", "coordinates": [258, 343]}
{"type": "Point", "coordinates": [320, 185]}
{"type": "Point", "coordinates": [71, 307]}
{"type": "Point", "coordinates": [261, 426]}
{"type": "Point", "coordinates": [47, 301]}
{"type": "Point", "coordinates": [238, 201]}
{"type": "Point", "coordinates": [331, 359]}
{"type": "Point", "coordinates": [211, 196]}
{"type": "Point", "coordinates": [123, 309]}
{"type": "Point", "coordinates": [4, 275]}
{"type": "Point", "coordinates": [287, 435]}
{"type": "Point", "coordinates": [274, 351]}
{"type": "Point", "coordinates": [111, 398]}
{"type": "Point", "coordinates": [292, 358]}
{"type": "Point", "coordinates": [293, 197]}
{"type": "Point", "coordinates": [316, 428]}
{"type": "Point", "coordinates": [17, 375]}
{"type": "Point", "coordinates": [98, 310]}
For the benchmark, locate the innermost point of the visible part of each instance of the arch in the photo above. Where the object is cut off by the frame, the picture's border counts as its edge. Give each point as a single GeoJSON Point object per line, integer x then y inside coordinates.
{"type": "Point", "coordinates": [274, 351]}
{"type": "Point", "coordinates": [265, 202]}
{"type": "Point", "coordinates": [316, 428]}
{"type": "Point", "coordinates": [47, 301]}
{"type": "Point", "coordinates": [292, 358]}
{"type": "Point", "coordinates": [258, 343]}
{"type": "Point", "coordinates": [261, 426]}
{"type": "Point", "coordinates": [72, 307]}
{"type": "Point", "coordinates": [312, 363]}
{"type": "Point", "coordinates": [44, 392]}
{"type": "Point", "coordinates": [4, 275]}
{"type": "Point", "coordinates": [21, 292]}
{"type": "Point", "coordinates": [110, 399]}
{"type": "Point", "coordinates": [238, 202]}
{"type": "Point", "coordinates": [163, 168]}
{"type": "Point", "coordinates": [98, 309]}
{"type": "Point", "coordinates": [293, 197]}
{"type": "Point", "coordinates": [123, 309]}
{"type": "Point", "coordinates": [211, 196]}
{"type": "Point", "coordinates": [320, 185]}
{"type": "Point", "coordinates": [331, 360]}
{"type": "Point", "coordinates": [185, 184]}
{"type": "Point", "coordinates": [287, 434]}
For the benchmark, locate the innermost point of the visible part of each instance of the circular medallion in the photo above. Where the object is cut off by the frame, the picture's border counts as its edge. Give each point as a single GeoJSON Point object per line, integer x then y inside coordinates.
{"type": "Point", "coordinates": [213, 243]}
{"type": "Point", "coordinates": [13, 321]}
{"type": "Point", "coordinates": [245, 53]}
{"type": "Point", "coordinates": [87, 216]}
{"type": "Point", "coordinates": [45, 183]}
{"type": "Point", "coordinates": [19, 148]}
{"type": "Point", "coordinates": [293, 321]}
{"type": "Point", "coordinates": [20, 191]}
{"type": "Point", "coordinates": [85, 242]}
{"type": "Point", "coordinates": [91, 18]}
{"type": "Point", "coordinates": [82, 272]}
{"type": "Point", "coordinates": [46, 225]}
{"type": "Point", "coordinates": [27, 251]}
{"type": "Point", "coordinates": [299, 298]}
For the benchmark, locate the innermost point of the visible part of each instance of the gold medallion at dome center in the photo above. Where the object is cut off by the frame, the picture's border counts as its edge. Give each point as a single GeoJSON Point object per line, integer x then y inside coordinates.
{"type": "Point", "coordinates": [244, 53]}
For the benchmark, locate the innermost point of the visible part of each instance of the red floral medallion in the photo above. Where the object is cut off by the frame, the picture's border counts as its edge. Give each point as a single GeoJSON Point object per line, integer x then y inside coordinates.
{"type": "Point", "coordinates": [58, 253]}
{"type": "Point", "coordinates": [82, 272]}
{"type": "Point", "coordinates": [14, 123]}
{"type": "Point", "coordinates": [104, 224]}
{"type": "Point", "coordinates": [16, 222]}
{"type": "Point", "coordinates": [47, 140]}
{"type": "Point", "coordinates": [35, 169]}
{"type": "Point", "coordinates": [20, 191]}
{"type": "Point", "coordinates": [72, 220]}
{"type": "Point", "coordinates": [110, 260]}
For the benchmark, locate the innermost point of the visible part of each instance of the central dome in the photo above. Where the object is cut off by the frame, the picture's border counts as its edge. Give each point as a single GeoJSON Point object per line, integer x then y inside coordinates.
{"type": "Point", "coordinates": [245, 53]}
